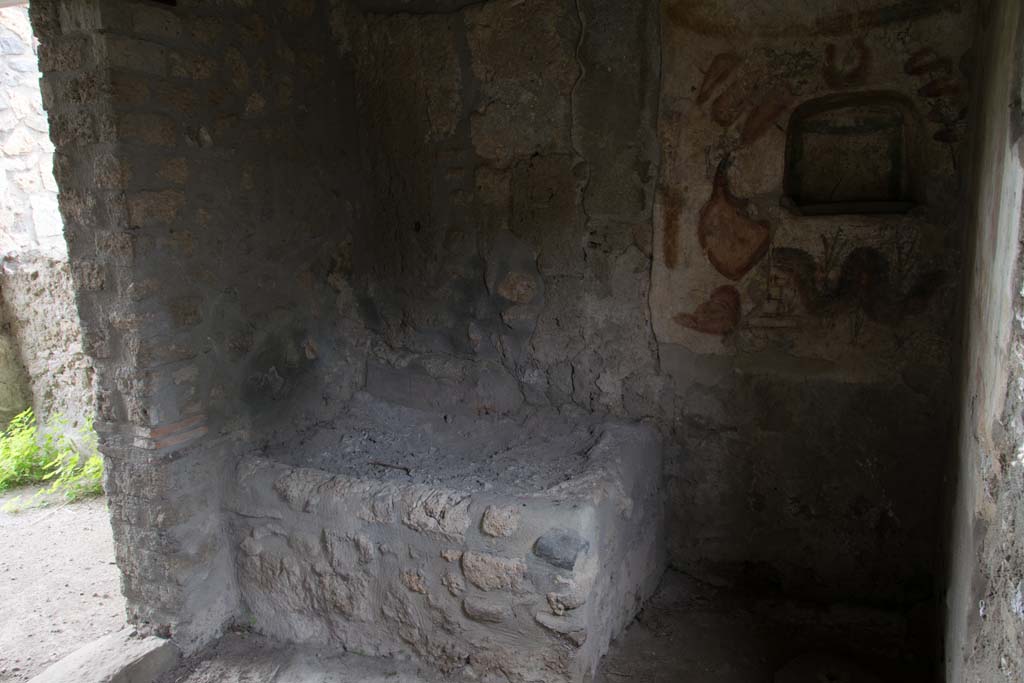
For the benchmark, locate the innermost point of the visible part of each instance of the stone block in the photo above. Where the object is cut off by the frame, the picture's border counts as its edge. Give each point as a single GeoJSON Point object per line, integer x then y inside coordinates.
{"type": "Point", "coordinates": [68, 54]}
{"type": "Point", "coordinates": [192, 66]}
{"type": "Point", "coordinates": [147, 129]}
{"type": "Point", "coordinates": [538, 577]}
{"type": "Point", "coordinates": [499, 521]}
{"type": "Point", "coordinates": [11, 44]}
{"type": "Point", "coordinates": [136, 55]}
{"type": "Point", "coordinates": [206, 30]}
{"type": "Point", "coordinates": [154, 207]}
{"type": "Point", "coordinates": [155, 22]}
{"type": "Point", "coordinates": [174, 171]}
{"type": "Point", "coordinates": [560, 548]}
{"type": "Point", "coordinates": [73, 128]}
{"type": "Point", "coordinates": [19, 143]}
{"type": "Point", "coordinates": [122, 657]}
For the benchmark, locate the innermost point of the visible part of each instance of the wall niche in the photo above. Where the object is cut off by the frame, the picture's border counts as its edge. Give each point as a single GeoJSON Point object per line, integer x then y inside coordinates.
{"type": "Point", "coordinates": [852, 153]}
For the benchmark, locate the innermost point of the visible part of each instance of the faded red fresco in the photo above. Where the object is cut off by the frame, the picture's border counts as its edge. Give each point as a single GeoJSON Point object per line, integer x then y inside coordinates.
{"type": "Point", "coordinates": [763, 116]}
{"type": "Point", "coordinates": [721, 67]}
{"type": "Point", "coordinates": [849, 69]}
{"type": "Point", "coordinates": [720, 314]}
{"type": "Point", "coordinates": [926, 61]}
{"type": "Point", "coordinates": [732, 241]}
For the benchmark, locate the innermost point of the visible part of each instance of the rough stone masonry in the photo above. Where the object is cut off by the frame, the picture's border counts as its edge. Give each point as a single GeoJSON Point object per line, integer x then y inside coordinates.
{"type": "Point", "coordinates": [738, 224]}
{"type": "Point", "coordinates": [42, 364]}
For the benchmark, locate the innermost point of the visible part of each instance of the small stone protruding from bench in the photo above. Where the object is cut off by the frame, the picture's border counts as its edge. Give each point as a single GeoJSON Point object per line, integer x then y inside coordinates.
{"type": "Point", "coordinates": [560, 548]}
{"type": "Point", "coordinates": [500, 522]}
{"type": "Point", "coordinates": [490, 573]}
{"type": "Point", "coordinates": [484, 610]}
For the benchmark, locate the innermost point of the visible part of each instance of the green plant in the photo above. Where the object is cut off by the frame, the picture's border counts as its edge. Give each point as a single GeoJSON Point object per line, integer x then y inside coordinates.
{"type": "Point", "coordinates": [76, 474]}
{"type": "Point", "coordinates": [23, 459]}
{"type": "Point", "coordinates": [69, 461]}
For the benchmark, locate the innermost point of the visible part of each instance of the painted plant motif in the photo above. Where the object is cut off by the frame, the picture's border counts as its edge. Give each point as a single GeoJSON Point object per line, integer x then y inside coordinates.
{"type": "Point", "coordinates": [763, 116]}
{"type": "Point", "coordinates": [721, 68]}
{"type": "Point", "coordinates": [733, 242]}
{"type": "Point", "coordinates": [720, 314]}
{"type": "Point", "coordinates": [756, 95]}
{"type": "Point", "coordinates": [767, 283]}
{"type": "Point", "coordinates": [926, 61]}
{"type": "Point", "coordinates": [848, 69]}
{"type": "Point", "coordinates": [944, 89]}
{"type": "Point", "coordinates": [863, 284]}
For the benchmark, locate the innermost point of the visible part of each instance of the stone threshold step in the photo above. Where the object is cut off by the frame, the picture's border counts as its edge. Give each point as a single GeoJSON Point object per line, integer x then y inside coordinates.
{"type": "Point", "coordinates": [240, 656]}
{"type": "Point", "coordinates": [122, 657]}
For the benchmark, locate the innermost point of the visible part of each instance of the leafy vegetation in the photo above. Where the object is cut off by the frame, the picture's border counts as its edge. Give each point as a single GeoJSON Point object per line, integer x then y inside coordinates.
{"type": "Point", "coordinates": [23, 459]}
{"type": "Point", "coordinates": [77, 476]}
{"type": "Point", "coordinates": [69, 461]}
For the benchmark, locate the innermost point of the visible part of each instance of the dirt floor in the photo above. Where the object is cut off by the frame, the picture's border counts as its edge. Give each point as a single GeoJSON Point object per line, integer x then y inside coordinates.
{"type": "Point", "coordinates": [59, 587]}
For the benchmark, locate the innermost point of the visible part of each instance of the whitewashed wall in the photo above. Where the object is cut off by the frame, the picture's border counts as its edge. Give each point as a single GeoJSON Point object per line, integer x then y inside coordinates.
{"type": "Point", "coordinates": [29, 218]}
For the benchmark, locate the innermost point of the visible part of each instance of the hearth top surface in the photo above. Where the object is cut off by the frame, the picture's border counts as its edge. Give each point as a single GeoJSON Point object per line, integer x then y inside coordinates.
{"type": "Point", "coordinates": [377, 440]}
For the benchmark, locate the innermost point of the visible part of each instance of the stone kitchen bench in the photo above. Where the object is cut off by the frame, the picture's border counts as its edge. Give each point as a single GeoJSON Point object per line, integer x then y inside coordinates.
{"type": "Point", "coordinates": [397, 533]}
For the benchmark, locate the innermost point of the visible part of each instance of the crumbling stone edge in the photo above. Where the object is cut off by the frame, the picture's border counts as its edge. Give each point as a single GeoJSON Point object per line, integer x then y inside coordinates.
{"type": "Point", "coordinates": [121, 657]}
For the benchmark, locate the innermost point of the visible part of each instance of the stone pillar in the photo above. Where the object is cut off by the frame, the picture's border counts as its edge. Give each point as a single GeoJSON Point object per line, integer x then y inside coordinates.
{"type": "Point", "coordinates": [105, 71]}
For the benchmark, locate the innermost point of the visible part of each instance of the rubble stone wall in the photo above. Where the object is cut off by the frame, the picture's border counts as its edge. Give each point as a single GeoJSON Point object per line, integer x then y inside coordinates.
{"type": "Point", "coordinates": [207, 187]}
{"type": "Point", "coordinates": [42, 315]}
{"type": "Point", "coordinates": [29, 217]}
{"type": "Point", "coordinates": [485, 207]}
{"type": "Point", "coordinates": [603, 221]}
{"type": "Point", "coordinates": [13, 383]}
{"type": "Point", "coordinates": [42, 336]}
{"type": "Point", "coordinates": [481, 584]}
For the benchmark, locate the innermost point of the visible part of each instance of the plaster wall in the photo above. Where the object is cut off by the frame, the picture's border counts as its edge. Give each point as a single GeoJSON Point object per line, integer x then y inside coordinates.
{"type": "Point", "coordinates": [984, 603]}
{"type": "Point", "coordinates": [808, 353]}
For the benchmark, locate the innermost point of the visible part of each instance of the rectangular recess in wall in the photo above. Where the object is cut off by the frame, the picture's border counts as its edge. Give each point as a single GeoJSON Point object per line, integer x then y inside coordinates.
{"type": "Point", "coordinates": [850, 154]}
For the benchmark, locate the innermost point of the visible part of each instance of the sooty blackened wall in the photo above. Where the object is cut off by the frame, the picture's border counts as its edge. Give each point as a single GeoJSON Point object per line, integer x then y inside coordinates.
{"type": "Point", "coordinates": [207, 166]}
{"type": "Point", "coordinates": [508, 263]}
{"type": "Point", "coordinates": [272, 205]}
